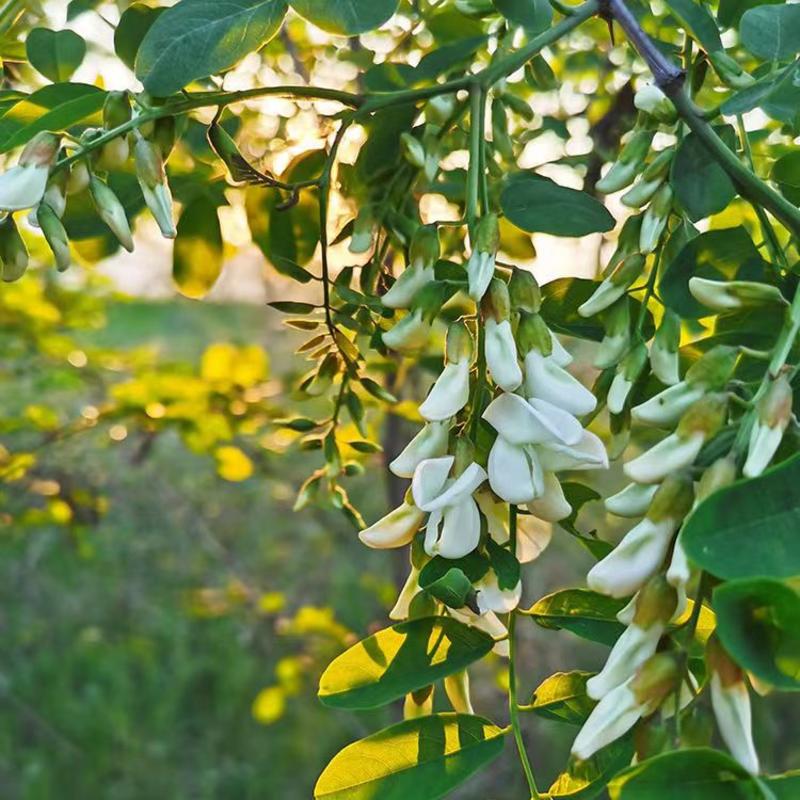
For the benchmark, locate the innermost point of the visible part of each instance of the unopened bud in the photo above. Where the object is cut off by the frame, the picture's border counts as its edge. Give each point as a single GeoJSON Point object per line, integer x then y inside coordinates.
{"type": "Point", "coordinates": [629, 164]}
{"type": "Point", "coordinates": [720, 474]}
{"type": "Point", "coordinates": [706, 416]}
{"type": "Point", "coordinates": [628, 372]}
{"type": "Point", "coordinates": [673, 500]}
{"type": "Point", "coordinates": [413, 150]}
{"type": "Point", "coordinates": [655, 603]}
{"type": "Point", "coordinates": [55, 235]}
{"type": "Point", "coordinates": [655, 219]}
{"type": "Point", "coordinates": [730, 71]}
{"type": "Point", "coordinates": [614, 286]}
{"type": "Point", "coordinates": [733, 295]}
{"type": "Point", "coordinates": [617, 337]}
{"type": "Point", "coordinates": [424, 249]}
{"type": "Point", "coordinates": [664, 350]}
{"type": "Point", "coordinates": [713, 369]}
{"type": "Point", "coordinates": [111, 212]}
{"type": "Point", "coordinates": [116, 110]}
{"type": "Point", "coordinates": [487, 234]}
{"type": "Point", "coordinates": [524, 291]}
{"type": "Point", "coordinates": [651, 100]}
{"type": "Point", "coordinates": [41, 150]}
{"type": "Point", "coordinates": [13, 253]}
{"type": "Point", "coordinates": [655, 680]}
{"type": "Point", "coordinates": [533, 334]}
{"type": "Point", "coordinates": [459, 343]}
{"type": "Point", "coordinates": [496, 302]}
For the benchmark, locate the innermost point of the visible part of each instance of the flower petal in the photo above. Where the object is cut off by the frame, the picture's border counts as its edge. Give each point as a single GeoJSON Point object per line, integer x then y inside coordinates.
{"type": "Point", "coordinates": [409, 591]}
{"type": "Point", "coordinates": [405, 288]}
{"type": "Point", "coordinates": [458, 490]}
{"type": "Point", "coordinates": [612, 717]}
{"type": "Point", "coordinates": [492, 598]}
{"type": "Point", "coordinates": [667, 407]}
{"type": "Point", "coordinates": [551, 506]}
{"type": "Point", "coordinates": [764, 443]}
{"type": "Point", "coordinates": [514, 472]}
{"type": "Point", "coordinates": [461, 530]}
{"type": "Point", "coordinates": [731, 706]}
{"type": "Point", "coordinates": [22, 187]}
{"type": "Point", "coordinates": [501, 355]}
{"type": "Point", "coordinates": [449, 394]}
{"type": "Point", "coordinates": [632, 501]}
{"type": "Point", "coordinates": [669, 455]}
{"type": "Point", "coordinates": [430, 442]}
{"type": "Point", "coordinates": [546, 380]}
{"type": "Point", "coordinates": [588, 453]}
{"type": "Point", "coordinates": [430, 478]}
{"type": "Point", "coordinates": [396, 529]}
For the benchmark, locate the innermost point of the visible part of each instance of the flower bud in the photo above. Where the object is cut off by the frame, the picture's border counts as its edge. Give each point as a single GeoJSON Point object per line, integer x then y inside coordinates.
{"type": "Point", "coordinates": [642, 193]}
{"type": "Point", "coordinates": [627, 243]}
{"type": "Point", "coordinates": [618, 335]}
{"type": "Point", "coordinates": [41, 150]}
{"type": "Point", "coordinates": [480, 267]}
{"type": "Point", "coordinates": [533, 334]}
{"type": "Point", "coordinates": [456, 688]}
{"type": "Point", "coordinates": [651, 100]}
{"type": "Point", "coordinates": [659, 166]}
{"type": "Point", "coordinates": [657, 678]}
{"type": "Point", "coordinates": [628, 372]}
{"type": "Point", "coordinates": [55, 194]}
{"type": "Point", "coordinates": [458, 345]}
{"type": "Point", "coordinates": [440, 108]}
{"type": "Point", "coordinates": [410, 590]}
{"type": "Point", "coordinates": [496, 303]}
{"type": "Point", "coordinates": [111, 212]}
{"type": "Point", "coordinates": [13, 253]}
{"type": "Point", "coordinates": [423, 254]}
{"type": "Point", "coordinates": [655, 604]}
{"type": "Point", "coordinates": [706, 417]}
{"type": "Point", "coordinates": [773, 414]}
{"type": "Point", "coordinates": [733, 295]}
{"type": "Point", "coordinates": [524, 291]}
{"type": "Point", "coordinates": [114, 154]}
{"type": "Point", "coordinates": [614, 286]}
{"type": "Point", "coordinates": [153, 183]}
{"type": "Point", "coordinates": [632, 501]}
{"type": "Point", "coordinates": [408, 335]}
{"type": "Point", "coordinates": [720, 474]}
{"type": "Point", "coordinates": [713, 369]}
{"type": "Point", "coordinates": [55, 235]}
{"type": "Point", "coordinates": [501, 354]}
{"type": "Point", "coordinates": [655, 219]}
{"type": "Point", "coordinates": [116, 110]}
{"type": "Point", "coordinates": [164, 135]}
{"type": "Point", "coordinates": [664, 350]}
{"type": "Point", "coordinates": [78, 178]}
{"type": "Point", "coordinates": [629, 164]}
{"type": "Point", "coordinates": [418, 704]}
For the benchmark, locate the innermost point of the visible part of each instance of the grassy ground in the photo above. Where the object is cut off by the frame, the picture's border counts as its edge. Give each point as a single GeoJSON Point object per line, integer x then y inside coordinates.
{"type": "Point", "coordinates": [131, 655]}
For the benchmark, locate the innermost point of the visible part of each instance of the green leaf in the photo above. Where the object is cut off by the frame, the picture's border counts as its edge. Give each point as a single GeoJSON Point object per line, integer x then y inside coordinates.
{"type": "Point", "coordinates": [692, 774]}
{"type": "Point", "coordinates": [422, 758]}
{"type": "Point", "coordinates": [473, 565]}
{"type": "Point", "coordinates": [758, 621]}
{"type": "Point", "coordinates": [453, 588]}
{"type": "Point", "coordinates": [698, 20]}
{"type": "Point", "coordinates": [292, 307]}
{"type": "Point", "coordinates": [133, 26]}
{"type": "Point", "coordinates": [56, 54]}
{"type": "Point", "coordinates": [198, 38]}
{"type": "Point", "coordinates": [401, 659]}
{"type": "Point", "coordinates": [730, 11]}
{"type": "Point", "coordinates": [585, 613]}
{"type": "Point", "coordinates": [197, 255]}
{"type": "Point", "coordinates": [751, 528]}
{"type": "Point", "coordinates": [584, 780]}
{"type": "Point", "coordinates": [701, 186]}
{"type": "Point", "coordinates": [533, 15]}
{"type": "Point", "coordinates": [562, 697]}
{"type": "Point", "coordinates": [287, 236]}
{"type": "Point", "coordinates": [771, 32]}
{"type": "Point", "coordinates": [786, 170]}
{"type": "Point", "coordinates": [345, 17]}
{"type": "Point", "coordinates": [504, 563]}
{"type": "Point", "coordinates": [719, 255]}
{"type": "Point", "coordinates": [537, 204]}
{"type": "Point", "coordinates": [561, 299]}
{"type": "Point", "coordinates": [53, 108]}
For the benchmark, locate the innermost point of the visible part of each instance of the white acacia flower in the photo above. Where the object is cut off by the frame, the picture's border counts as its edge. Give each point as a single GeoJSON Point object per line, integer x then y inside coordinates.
{"type": "Point", "coordinates": [449, 394]}
{"type": "Point", "coordinates": [589, 453]}
{"type": "Point", "coordinates": [730, 700]}
{"type": "Point", "coordinates": [454, 526]}
{"type": "Point", "coordinates": [632, 501]}
{"type": "Point", "coordinates": [654, 606]}
{"type": "Point", "coordinates": [430, 442]}
{"type": "Point", "coordinates": [492, 598]}
{"type": "Point", "coordinates": [551, 505]}
{"type": "Point", "coordinates": [546, 380]}
{"type": "Point", "coordinates": [409, 591]}
{"type": "Point", "coordinates": [456, 687]}
{"type": "Point", "coordinates": [533, 534]}
{"type": "Point", "coordinates": [24, 185]}
{"type": "Point", "coordinates": [732, 295]}
{"type": "Point", "coordinates": [773, 417]}
{"type": "Point", "coordinates": [536, 421]}
{"type": "Point", "coordinates": [560, 354]}
{"type": "Point", "coordinates": [679, 572]}
{"type": "Point", "coordinates": [407, 286]}
{"type": "Point", "coordinates": [670, 455]}
{"type": "Point", "coordinates": [515, 473]}
{"type": "Point", "coordinates": [501, 354]}
{"type": "Point", "coordinates": [153, 182]}
{"type": "Point", "coordinates": [480, 267]}
{"type": "Point", "coordinates": [396, 529]}
{"type": "Point", "coordinates": [667, 407]}
{"type": "Point", "coordinates": [409, 334]}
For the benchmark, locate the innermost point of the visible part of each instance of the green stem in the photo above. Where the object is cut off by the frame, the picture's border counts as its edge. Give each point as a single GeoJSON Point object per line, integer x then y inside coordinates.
{"type": "Point", "coordinates": [477, 100]}
{"type": "Point", "coordinates": [670, 79]}
{"type": "Point", "coordinates": [513, 704]}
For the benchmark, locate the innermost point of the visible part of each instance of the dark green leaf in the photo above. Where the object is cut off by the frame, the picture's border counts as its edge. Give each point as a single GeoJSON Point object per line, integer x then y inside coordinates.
{"type": "Point", "coordinates": [474, 566]}
{"type": "Point", "coordinates": [292, 307]}
{"type": "Point", "coordinates": [533, 15]}
{"type": "Point", "coordinates": [537, 204]}
{"type": "Point", "coordinates": [701, 186]}
{"type": "Point", "coordinates": [751, 528]}
{"type": "Point", "coordinates": [758, 621]}
{"type": "Point", "coordinates": [404, 658]}
{"type": "Point", "coordinates": [197, 38]}
{"type": "Point", "coordinates": [345, 17]}
{"type": "Point", "coordinates": [197, 255]}
{"type": "Point", "coordinates": [696, 17]}
{"type": "Point", "coordinates": [718, 254]}
{"type": "Point", "coordinates": [563, 697]}
{"type": "Point", "coordinates": [583, 612]}
{"type": "Point", "coordinates": [771, 32]}
{"type": "Point", "coordinates": [693, 774]}
{"type": "Point", "coordinates": [133, 26]}
{"type": "Point", "coordinates": [730, 11]}
{"type": "Point", "coordinates": [54, 108]}
{"type": "Point", "coordinates": [453, 588]}
{"type": "Point", "coordinates": [422, 758]}
{"type": "Point", "coordinates": [504, 563]}
{"type": "Point", "coordinates": [56, 54]}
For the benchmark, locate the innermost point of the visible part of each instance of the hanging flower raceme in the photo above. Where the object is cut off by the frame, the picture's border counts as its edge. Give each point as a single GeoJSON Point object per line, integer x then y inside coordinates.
{"type": "Point", "coordinates": [450, 392]}
{"type": "Point", "coordinates": [643, 549]}
{"type": "Point", "coordinates": [730, 699]}
{"type": "Point", "coordinates": [500, 347]}
{"type": "Point", "coordinates": [654, 606]}
{"type": "Point", "coordinates": [680, 449]}
{"type": "Point", "coordinates": [480, 267]}
{"type": "Point", "coordinates": [710, 373]}
{"type": "Point", "coordinates": [24, 185]}
{"type": "Point", "coordinates": [423, 253]}
{"type": "Point", "coordinates": [621, 708]}
{"type": "Point", "coordinates": [773, 415]}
